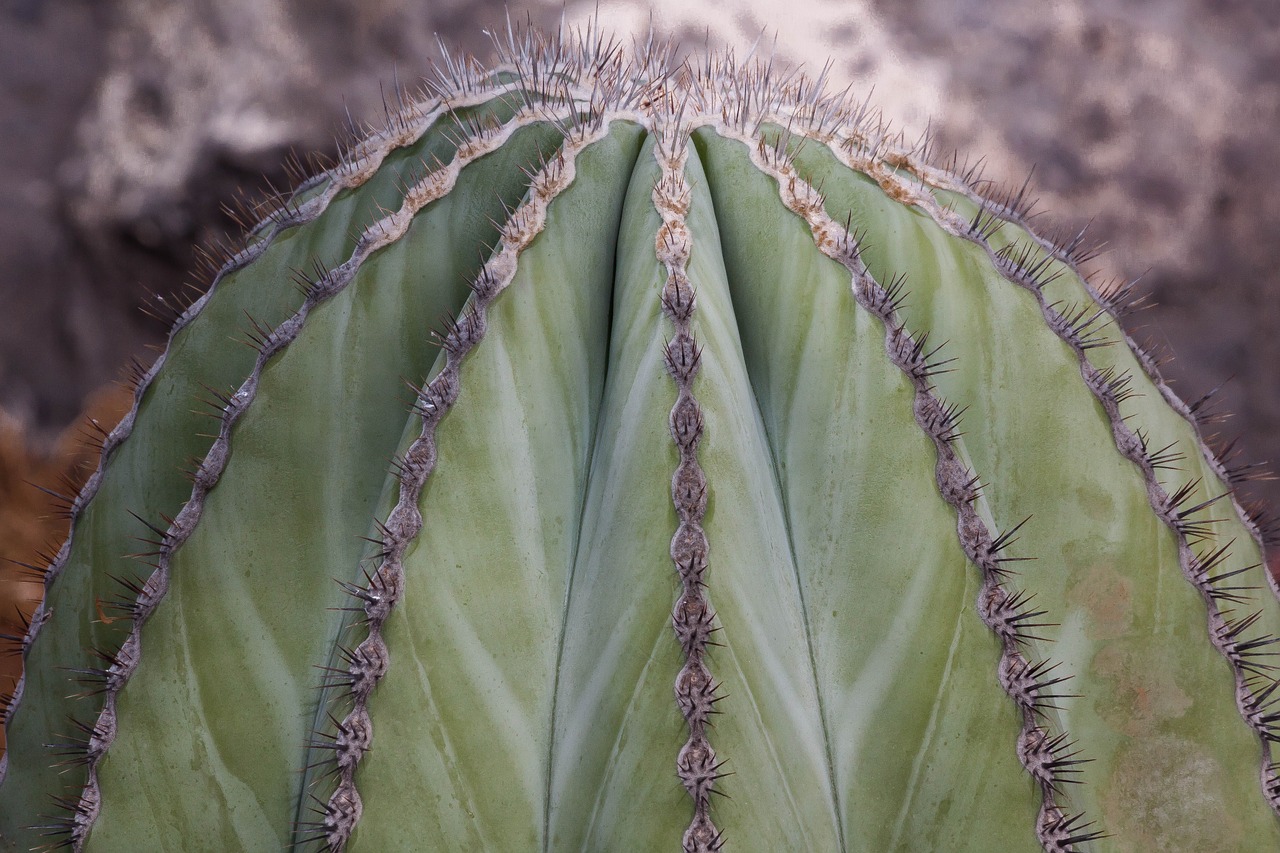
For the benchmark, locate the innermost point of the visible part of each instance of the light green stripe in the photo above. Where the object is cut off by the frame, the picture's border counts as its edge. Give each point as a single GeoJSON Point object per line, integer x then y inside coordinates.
{"type": "Point", "coordinates": [922, 737]}
{"type": "Point", "coordinates": [1174, 767]}
{"type": "Point", "coordinates": [462, 719]}
{"type": "Point", "coordinates": [227, 680]}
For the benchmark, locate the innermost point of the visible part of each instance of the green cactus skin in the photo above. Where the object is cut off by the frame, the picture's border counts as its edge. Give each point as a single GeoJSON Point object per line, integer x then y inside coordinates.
{"type": "Point", "coordinates": [987, 595]}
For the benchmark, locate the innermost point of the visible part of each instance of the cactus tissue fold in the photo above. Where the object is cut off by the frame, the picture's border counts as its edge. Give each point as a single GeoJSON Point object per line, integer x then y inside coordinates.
{"type": "Point", "coordinates": [614, 434]}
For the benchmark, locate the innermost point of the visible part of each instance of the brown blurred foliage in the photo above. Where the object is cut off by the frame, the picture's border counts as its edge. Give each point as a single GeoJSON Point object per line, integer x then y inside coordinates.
{"type": "Point", "coordinates": [33, 523]}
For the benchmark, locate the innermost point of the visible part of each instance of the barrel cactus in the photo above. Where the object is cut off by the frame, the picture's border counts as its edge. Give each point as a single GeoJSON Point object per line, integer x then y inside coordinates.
{"type": "Point", "coordinates": [615, 434]}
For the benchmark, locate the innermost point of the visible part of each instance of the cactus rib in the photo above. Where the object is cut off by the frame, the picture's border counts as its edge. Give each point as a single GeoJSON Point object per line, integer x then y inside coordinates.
{"type": "Point", "coordinates": [1078, 328]}
{"type": "Point", "coordinates": [1021, 678]}
{"type": "Point", "coordinates": [350, 174]}
{"type": "Point", "coordinates": [379, 597]}
{"type": "Point", "coordinates": [1176, 508]}
{"type": "Point", "coordinates": [323, 286]}
{"type": "Point", "coordinates": [356, 166]}
{"type": "Point", "coordinates": [697, 766]}
{"type": "Point", "coordinates": [871, 153]}
{"type": "Point", "coordinates": [353, 169]}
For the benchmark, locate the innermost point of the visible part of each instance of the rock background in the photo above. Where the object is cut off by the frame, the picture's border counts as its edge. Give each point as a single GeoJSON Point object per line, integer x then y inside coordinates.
{"type": "Point", "coordinates": [124, 124]}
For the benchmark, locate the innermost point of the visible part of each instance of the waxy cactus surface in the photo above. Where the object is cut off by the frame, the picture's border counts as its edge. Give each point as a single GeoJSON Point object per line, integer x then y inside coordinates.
{"type": "Point", "coordinates": [615, 434]}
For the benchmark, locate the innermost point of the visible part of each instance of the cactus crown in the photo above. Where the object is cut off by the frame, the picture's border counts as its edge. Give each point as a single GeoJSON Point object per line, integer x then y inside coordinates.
{"type": "Point", "coordinates": [721, 355]}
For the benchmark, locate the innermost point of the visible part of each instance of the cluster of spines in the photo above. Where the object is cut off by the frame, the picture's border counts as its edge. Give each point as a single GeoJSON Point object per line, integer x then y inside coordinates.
{"type": "Point", "coordinates": [1034, 685]}
{"type": "Point", "coordinates": [697, 765]}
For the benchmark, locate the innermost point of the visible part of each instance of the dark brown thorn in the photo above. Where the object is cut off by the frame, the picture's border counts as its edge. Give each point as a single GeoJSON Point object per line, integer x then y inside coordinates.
{"type": "Point", "coordinates": [15, 644]}
{"type": "Point", "coordinates": [1007, 538]}
{"type": "Point", "coordinates": [74, 749]}
{"type": "Point", "coordinates": [1015, 613]}
{"type": "Point", "coordinates": [1165, 457]}
{"type": "Point", "coordinates": [1238, 472]}
{"type": "Point", "coordinates": [1261, 715]}
{"type": "Point", "coordinates": [1124, 299]}
{"type": "Point", "coordinates": [126, 601]}
{"type": "Point", "coordinates": [890, 297]}
{"type": "Point", "coordinates": [36, 570]}
{"type": "Point", "coordinates": [158, 531]}
{"type": "Point", "coordinates": [1200, 528]}
{"type": "Point", "coordinates": [1202, 409]}
{"type": "Point", "coordinates": [1267, 525]}
{"type": "Point", "coordinates": [1232, 629]}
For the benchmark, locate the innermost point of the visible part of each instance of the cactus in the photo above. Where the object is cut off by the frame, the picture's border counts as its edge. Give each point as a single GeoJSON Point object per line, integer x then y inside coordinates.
{"type": "Point", "coordinates": [754, 455]}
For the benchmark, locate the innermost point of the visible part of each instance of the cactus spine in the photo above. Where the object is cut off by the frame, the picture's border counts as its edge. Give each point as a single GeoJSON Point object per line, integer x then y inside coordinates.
{"type": "Point", "coordinates": [924, 596]}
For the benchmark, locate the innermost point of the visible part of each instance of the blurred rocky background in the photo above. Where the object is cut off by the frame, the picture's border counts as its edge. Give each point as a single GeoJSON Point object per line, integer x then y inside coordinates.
{"type": "Point", "coordinates": [126, 124]}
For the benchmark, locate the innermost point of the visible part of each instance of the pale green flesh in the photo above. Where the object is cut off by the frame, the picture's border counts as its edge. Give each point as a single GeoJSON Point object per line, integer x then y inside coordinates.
{"type": "Point", "coordinates": [1132, 628]}
{"type": "Point", "coordinates": [905, 666]}
{"type": "Point", "coordinates": [234, 643]}
{"type": "Point", "coordinates": [144, 476]}
{"type": "Point", "coordinates": [466, 707]}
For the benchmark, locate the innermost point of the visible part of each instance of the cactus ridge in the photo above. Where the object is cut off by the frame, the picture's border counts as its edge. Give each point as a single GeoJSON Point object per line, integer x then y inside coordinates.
{"type": "Point", "coordinates": [1049, 758]}
{"type": "Point", "coordinates": [370, 659]}
{"type": "Point", "coordinates": [343, 808]}
{"type": "Point", "coordinates": [1028, 265]}
{"type": "Point", "coordinates": [1180, 511]}
{"type": "Point", "coordinates": [582, 88]}
{"type": "Point", "coordinates": [698, 766]}
{"type": "Point", "coordinates": [358, 163]}
{"type": "Point", "coordinates": [1079, 326]}
{"type": "Point", "coordinates": [354, 168]}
